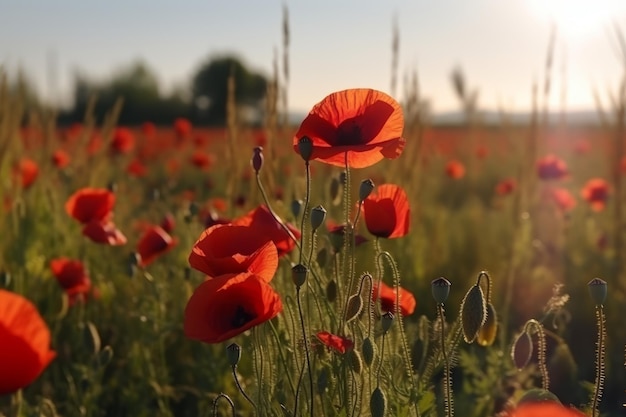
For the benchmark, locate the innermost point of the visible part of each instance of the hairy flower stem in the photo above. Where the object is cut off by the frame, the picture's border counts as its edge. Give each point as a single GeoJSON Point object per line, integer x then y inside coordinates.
{"type": "Point", "coordinates": [234, 368]}
{"type": "Point", "coordinates": [269, 207]}
{"type": "Point", "coordinates": [308, 359]}
{"type": "Point", "coordinates": [600, 363]}
{"type": "Point", "coordinates": [306, 207]}
{"type": "Point", "coordinates": [541, 350]}
{"type": "Point", "coordinates": [227, 398]}
{"type": "Point", "coordinates": [447, 386]}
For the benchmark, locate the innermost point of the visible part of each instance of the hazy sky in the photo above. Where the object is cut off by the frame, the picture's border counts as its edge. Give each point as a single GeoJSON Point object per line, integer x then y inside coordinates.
{"type": "Point", "coordinates": [500, 45]}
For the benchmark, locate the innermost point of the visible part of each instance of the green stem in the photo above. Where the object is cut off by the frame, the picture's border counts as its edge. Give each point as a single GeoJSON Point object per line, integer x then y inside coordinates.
{"type": "Point", "coordinates": [227, 398]}
{"type": "Point", "coordinates": [597, 392]}
{"type": "Point", "coordinates": [449, 406]}
{"type": "Point", "coordinates": [234, 368]}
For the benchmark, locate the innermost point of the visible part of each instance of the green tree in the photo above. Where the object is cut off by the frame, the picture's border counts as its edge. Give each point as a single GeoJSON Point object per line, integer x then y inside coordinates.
{"type": "Point", "coordinates": [210, 88]}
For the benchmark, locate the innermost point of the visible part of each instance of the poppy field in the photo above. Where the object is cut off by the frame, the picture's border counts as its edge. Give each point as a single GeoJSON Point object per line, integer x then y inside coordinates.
{"type": "Point", "coordinates": [361, 263]}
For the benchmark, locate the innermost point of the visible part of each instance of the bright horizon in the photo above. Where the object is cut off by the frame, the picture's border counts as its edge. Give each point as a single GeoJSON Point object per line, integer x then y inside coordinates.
{"type": "Point", "coordinates": [500, 46]}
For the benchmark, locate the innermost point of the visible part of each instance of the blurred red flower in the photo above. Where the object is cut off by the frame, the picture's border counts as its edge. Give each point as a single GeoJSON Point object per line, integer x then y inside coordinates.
{"type": "Point", "coordinates": [148, 129]}
{"type": "Point", "coordinates": [71, 276]}
{"type": "Point", "coordinates": [365, 124]}
{"type": "Point", "coordinates": [455, 170]}
{"type": "Point", "coordinates": [168, 223]}
{"type": "Point", "coordinates": [202, 160]}
{"type": "Point", "coordinates": [596, 193]}
{"type": "Point", "coordinates": [388, 299]}
{"type": "Point", "coordinates": [25, 343]}
{"type": "Point", "coordinates": [544, 409]}
{"type": "Point", "coordinates": [338, 343]}
{"type": "Point", "coordinates": [506, 186]}
{"type": "Point", "coordinates": [123, 141]}
{"type": "Point", "coordinates": [263, 224]}
{"type": "Point", "coordinates": [229, 249]}
{"type": "Point", "coordinates": [104, 232]}
{"type": "Point", "coordinates": [551, 167]}
{"type": "Point", "coordinates": [26, 172]}
{"type": "Point", "coordinates": [60, 159]}
{"type": "Point", "coordinates": [182, 127]}
{"type": "Point", "coordinates": [153, 243]}
{"type": "Point", "coordinates": [90, 204]}
{"type": "Point", "coordinates": [228, 305]}
{"type": "Point", "coordinates": [387, 212]}
{"type": "Point", "coordinates": [137, 168]}
{"type": "Point", "coordinates": [563, 199]}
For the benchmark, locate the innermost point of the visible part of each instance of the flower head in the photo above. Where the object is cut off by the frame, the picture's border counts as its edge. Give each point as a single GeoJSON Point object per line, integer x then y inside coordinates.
{"type": "Point", "coordinates": [544, 409]}
{"type": "Point", "coordinates": [90, 204]}
{"type": "Point", "coordinates": [104, 232]}
{"type": "Point", "coordinates": [596, 193]}
{"type": "Point", "coordinates": [387, 212]}
{"type": "Point", "coordinates": [123, 141]}
{"type": "Point", "coordinates": [263, 224]}
{"type": "Point", "coordinates": [551, 167]}
{"type": "Point", "coordinates": [228, 305]}
{"type": "Point", "coordinates": [153, 243]}
{"type": "Point", "coordinates": [26, 172]}
{"type": "Point", "coordinates": [25, 343]}
{"type": "Point", "coordinates": [388, 299]}
{"type": "Point", "coordinates": [360, 125]}
{"type": "Point", "coordinates": [455, 170]}
{"type": "Point", "coordinates": [337, 343]}
{"type": "Point", "coordinates": [72, 277]}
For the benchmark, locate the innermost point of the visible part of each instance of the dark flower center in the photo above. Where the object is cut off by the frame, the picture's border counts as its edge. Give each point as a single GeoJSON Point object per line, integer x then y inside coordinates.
{"type": "Point", "coordinates": [349, 133]}
{"type": "Point", "coordinates": [241, 317]}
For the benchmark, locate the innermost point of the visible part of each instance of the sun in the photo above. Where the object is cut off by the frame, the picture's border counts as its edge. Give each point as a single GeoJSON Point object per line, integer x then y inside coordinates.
{"type": "Point", "coordinates": [578, 18]}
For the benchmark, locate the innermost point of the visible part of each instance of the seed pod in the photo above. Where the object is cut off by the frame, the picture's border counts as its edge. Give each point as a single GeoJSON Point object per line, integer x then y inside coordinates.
{"type": "Point", "coordinates": [331, 291]}
{"type": "Point", "coordinates": [318, 214]}
{"type": "Point", "coordinates": [386, 321]}
{"type": "Point", "coordinates": [355, 361]}
{"type": "Point", "coordinates": [366, 188]}
{"type": "Point", "coordinates": [597, 290]}
{"type": "Point", "coordinates": [322, 257]}
{"type": "Point", "coordinates": [441, 289]}
{"type": "Point", "coordinates": [257, 159]}
{"type": "Point", "coordinates": [378, 403]}
{"type": "Point", "coordinates": [487, 333]}
{"type": "Point", "coordinates": [233, 354]}
{"type": "Point", "coordinates": [298, 274]}
{"type": "Point", "coordinates": [369, 351]}
{"type": "Point", "coordinates": [354, 306]}
{"type": "Point", "coordinates": [473, 313]}
{"type": "Point", "coordinates": [305, 148]}
{"type": "Point", "coordinates": [296, 206]}
{"type": "Point", "coordinates": [522, 350]}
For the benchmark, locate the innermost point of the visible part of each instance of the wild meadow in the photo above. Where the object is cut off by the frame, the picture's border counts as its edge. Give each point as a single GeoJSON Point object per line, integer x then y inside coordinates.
{"type": "Point", "coordinates": [363, 262]}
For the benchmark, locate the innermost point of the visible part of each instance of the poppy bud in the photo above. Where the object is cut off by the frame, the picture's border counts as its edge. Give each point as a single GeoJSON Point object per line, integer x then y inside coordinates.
{"type": "Point", "coordinates": [473, 313]}
{"type": "Point", "coordinates": [318, 214]}
{"type": "Point", "coordinates": [322, 381]}
{"type": "Point", "coordinates": [298, 274]}
{"type": "Point", "coordinates": [331, 291]}
{"type": "Point", "coordinates": [233, 354]}
{"type": "Point", "coordinates": [104, 356]}
{"type": "Point", "coordinates": [366, 188]}
{"type": "Point", "coordinates": [305, 148]}
{"type": "Point", "coordinates": [296, 206]}
{"type": "Point", "coordinates": [487, 333]}
{"type": "Point", "coordinates": [355, 361]}
{"type": "Point", "coordinates": [257, 159]}
{"type": "Point", "coordinates": [354, 306]}
{"type": "Point", "coordinates": [322, 257]}
{"type": "Point", "coordinates": [378, 403]}
{"type": "Point", "coordinates": [597, 290]}
{"type": "Point", "coordinates": [522, 350]}
{"type": "Point", "coordinates": [386, 321]}
{"type": "Point", "coordinates": [193, 208]}
{"type": "Point", "coordinates": [369, 350]}
{"type": "Point", "coordinates": [335, 187]}
{"type": "Point", "coordinates": [441, 289]}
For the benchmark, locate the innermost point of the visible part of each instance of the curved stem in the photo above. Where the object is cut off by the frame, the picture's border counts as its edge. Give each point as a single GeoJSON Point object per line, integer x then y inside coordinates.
{"type": "Point", "coordinates": [234, 368]}
{"type": "Point", "coordinates": [306, 207]}
{"type": "Point", "coordinates": [306, 350]}
{"type": "Point", "coordinates": [227, 398]}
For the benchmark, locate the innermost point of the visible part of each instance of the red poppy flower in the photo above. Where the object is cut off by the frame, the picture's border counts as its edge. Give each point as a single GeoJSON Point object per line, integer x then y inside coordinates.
{"type": "Point", "coordinates": [366, 124]}
{"type": "Point", "coordinates": [95, 144]}
{"type": "Point", "coordinates": [223, 307]}
{"type": "Point", "coordinates": [25, 343]}
{"type": "Point", "coordinates": [123, 141]}
{"type": "Point", "coordinates": [388, 299]}
{"type": "Point", "coordinates": [202, 160]}
{"type": "Point", "coordinates": [168, 223]}
{"type": "Point", "coordinates": [563, 199]}
{"type": "Point", "coordinates": [154, 242]}
{"type": "Point", "coordinates": [105, 232]}
{"type": "Point", "coordinates": [544, 409]}
{"type": "Point", "coordinates": [261, 221]}
{"type": "Point", "coordinates": [60, 159]}
{"type": "Point", "coordinates": [551, 168]}
{"type": "Point", "coordinates": [182, 127]}
{"type": "Point", "coordinates": [148, 129]}
{"type": "Point", "coordinates": [229, 249]}
{"type": "Point", "coordinates": [455, 170]}
{"type": "Point", "coordinates": [26, 171]}
{"type": "Point", "coordinates": [90, 204]}
{"type": "Point", "coordinates": [386, 211]}
{"type": "Point", "coordinates": [596, 192]}
{"type": "Point", "coordinates": [71, 276]}
{"type": "Point", "coordinates": [506, 186]}
{"type": "Point", "coordinates": [137, 168]}
{"type": "Point", "coordinates": [338, 343]}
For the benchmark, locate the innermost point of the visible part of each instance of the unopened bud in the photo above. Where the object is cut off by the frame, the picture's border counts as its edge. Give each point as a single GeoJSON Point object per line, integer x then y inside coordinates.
{"type": "Point", "coordinates": [257, 158]}
{"type": "Point", "coordinates": [367, 186]}
{"type": "Point", "coordinates": [441, 289]}
{"type": "Point", "coordinates": [598, 290]}
{"type": "Point", "coordinates": [369, 350]}
{"type": "Point", "coordinates": [378, 403]}
{"type": "Point", "coordinates": [522, 350]}
{"type": "Point", "coordinates": [335, 188]}
{"type": "Point", "coordinates": [331, 291]}
{"type": "Point", "coordinates": [354, 306]}
{"type": "Point", "coordinates": [487, 333]}
{"type": "Point", "coordinates": [233, 354]}
{"type": "Point", "coordinates": [305, 148]}
{"type": "Point", "coordinates": [473, 313]}
{"type": "Point", "coordinates": [355, 361]}
{"type": "Point", "coordinates": [318, 215]}
{"type": "Point", "coordinates": [298, 274]}
{"type": "Point", "coordinates": [296, 207]}
{"type": "Point", "coordinates": [386, 321]}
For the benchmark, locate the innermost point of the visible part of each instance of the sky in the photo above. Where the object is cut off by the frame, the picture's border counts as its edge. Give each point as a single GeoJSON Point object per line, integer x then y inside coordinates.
{"type": "Point", "coordinates": [501, 46]}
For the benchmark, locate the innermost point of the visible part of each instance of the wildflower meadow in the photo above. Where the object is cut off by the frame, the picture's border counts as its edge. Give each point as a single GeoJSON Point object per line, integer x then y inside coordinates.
{"type": "Point", "coordinates": [361, 262]}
